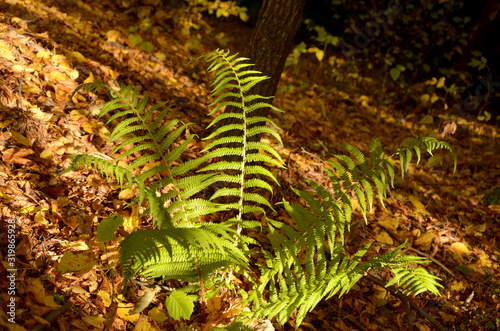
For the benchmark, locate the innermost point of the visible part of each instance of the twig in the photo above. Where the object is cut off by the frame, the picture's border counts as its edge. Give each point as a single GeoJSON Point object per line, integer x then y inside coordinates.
{"type": "Point", "coordinates": [395, 235]}
{"type": "Point", "coordinates": [406, 300]}
{"type": "Point", "coordinates": [52, 316]}
{"type": "Point", "coordinates": [433, 260]}
{"type": "Point", "coordinates": [20, 92]}
{"type": "Point", "coordinates": [409, 314]}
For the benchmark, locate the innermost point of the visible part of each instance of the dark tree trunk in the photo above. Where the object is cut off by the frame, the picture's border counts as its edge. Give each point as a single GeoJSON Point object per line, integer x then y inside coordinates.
{"type": "Point", "coordinates": [272, 41]}
{"type": "Point", "coordinates": [270, 44]}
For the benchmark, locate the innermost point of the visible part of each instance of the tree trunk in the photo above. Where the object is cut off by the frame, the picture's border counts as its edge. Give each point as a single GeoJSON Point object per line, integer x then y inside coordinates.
{"type": "Point", "coordinates": [269, 46]}
{"type": "Point", "coordinates": [272, 41]}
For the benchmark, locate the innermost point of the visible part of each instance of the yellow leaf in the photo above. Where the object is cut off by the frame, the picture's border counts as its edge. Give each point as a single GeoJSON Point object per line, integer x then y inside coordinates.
{"type": "Point", "coordinates": [434, 98]}
{"type": "Point", "coordinates": [157, 315]}
{"type": "Point", "coordinates": [106, 298]}
{"type": "Point", "coordinates": [40, 219]}
{"type": "Point", "coordinates": [440, 83]}
{"type": "Point", "coordinates": [49, 302]}
{"type": "Point", "coordinates": [77, 56]}
{"type": "Point", "coordinates": [383, 237]}
{"type": "Point", "coordinates": [35, 286]}
{"type": "Point", "coordinates": [243, 16]}
{"type": "Point", "coordinates": [63, 201]}
{"type": "Point", "coordinates": [130, 222]}
{"type": "Point", "coordinates": [392, 223]}
{"type": "Point", "coordinates": [144, 325]}
{"type": "Point", "coordinates": [91, 127]}
{"type": "Point", "coordinates": [5, 51]}
{"type": "Point", "coordinates": [457, 286]}
{"type": "Point", "coordinates": [35, 67]}
{"type": "Point", "coordinates": [61, 60]}
{"type": "Point", "coordinates": [419, 207]}
{"type": "Point", "coordinates": [476, 228]}
{"type": "Point", "coordinates": [425, 239]}
{"type": "Point", "coordinates": [95, 321]}
{"type": "Point", "coordinates": [103, 132]}
{"type": "Point", "coordinates": [127, 193]}
{"type": "Point", "coordinates": [4, 197]}
{"type": "Point", "coordinates": [424, 98]}
{"type": "Point", "coordinates": [112, 35]}
{"type": "Point", "coordinates": [77, 245]}
{"type": "Point", "coordinates": [19, 138]}
{"type": "Point", "coordinates": [320, 54]}
{"type": "Point", "coordinates": [484, 260]}
{"type": "Point", "coordinates": [123, 313]}
{"type": "Point", "coordinates": [460, 248]}
{"type": "Point", "coordinates": [46, 154]}
{"type": "Point", "coordinates": [89, 79]}
{"type": "Point", "coordinates": [44, 55]}
{"type": "Point", "coordinates": [56, 75]}
{"type": "Point", "coordinates": [73, 73]}
{"type": "Point", "coordinates": [30, 89]}
{"type": "Point", "coordinates": [79, 262]}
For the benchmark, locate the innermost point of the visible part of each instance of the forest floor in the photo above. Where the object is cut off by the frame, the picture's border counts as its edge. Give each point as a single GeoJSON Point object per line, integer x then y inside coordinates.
{"type": "Point", "coordinates": [48, 48]}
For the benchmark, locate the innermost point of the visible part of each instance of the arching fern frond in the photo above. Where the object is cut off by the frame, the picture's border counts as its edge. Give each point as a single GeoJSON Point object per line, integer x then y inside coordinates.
{"type": "Point", "coordinates": [105, 167]}
{"type": "Point", "coordinates": [308, 264]}
{"type": "Point", "coordinates": [363, 177]}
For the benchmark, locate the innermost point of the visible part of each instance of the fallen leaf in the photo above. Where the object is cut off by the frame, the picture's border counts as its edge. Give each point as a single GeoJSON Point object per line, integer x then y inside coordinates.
{"type": "Point", "coordinates": [36, 288]}
{"type": "Point", "coordinates": [112, 35]}
{"type": "Point", "coordinates": [80, 262]}
{"type": "Point", "coordinates": [460, 248]}
{"type": "Point", "coordinates": [157, 315]}
{"type": "Point", "coordinates": [425, 239]}
{"type": "Point", "coordinates": [123, 313]}
{"type": "Point", "coordinates": [20, 139]}
{"type": "Point", "coordinates": [95, 321]}
{"type": "Point", "coordinates": [5, 51]}
{"type": "Point", "coordinates": [384, 237]}
{"type": "Point", "coordinates": [419, 206]}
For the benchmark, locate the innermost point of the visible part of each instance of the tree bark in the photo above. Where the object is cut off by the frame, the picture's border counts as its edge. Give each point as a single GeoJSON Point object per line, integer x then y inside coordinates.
{"type": "Point", "coordinates": [272, 41]}
{"type": "Point", "coordinates": [269, 46]}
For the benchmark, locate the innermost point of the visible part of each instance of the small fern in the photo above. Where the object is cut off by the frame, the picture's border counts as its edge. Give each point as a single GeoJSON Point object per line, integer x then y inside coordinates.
{"type": "Point", "coordinates": [428, 144]}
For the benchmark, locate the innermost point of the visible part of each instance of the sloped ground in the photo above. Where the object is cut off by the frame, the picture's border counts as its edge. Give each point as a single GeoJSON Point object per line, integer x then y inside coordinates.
{"type": "Point", "coordinates": [48, 48]}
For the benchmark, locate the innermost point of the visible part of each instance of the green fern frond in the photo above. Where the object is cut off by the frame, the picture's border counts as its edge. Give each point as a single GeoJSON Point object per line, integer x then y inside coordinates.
{"type": "Point", "coordinates": [171, 253]}
{"type": "Point", "coordinates": [428, 144]}
{"type": "Point", "coordinates": [89, 87]}
{"type": "Point", "coordinates": [415, 281]}
{"type": "Point", "coordinates": [232, 81]}
{"type": "Point", "coordinates": [105, 167]}
{"type": "Point", "coordinates": [299, 284]}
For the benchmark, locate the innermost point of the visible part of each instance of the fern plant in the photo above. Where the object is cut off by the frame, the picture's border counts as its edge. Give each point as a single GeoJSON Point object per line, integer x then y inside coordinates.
{"type": "Point", "coordinates": [306, 261]}
{"type": "Point", "coordinates": [318, 236]}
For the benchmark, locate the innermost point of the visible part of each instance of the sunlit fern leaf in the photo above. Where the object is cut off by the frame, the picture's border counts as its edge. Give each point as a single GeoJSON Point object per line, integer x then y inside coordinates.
{"type": "Point", "coordinates": [415, 281]}
{"type": "Point", "coordinates": [90, 87]}
{"type": "Point", "coordinates": [233, 79]}
{"type": "Point", "coordinates": [172, 253]}
{"type": "Point", "coordinates": [106, 168]}
{"type": "Point", "coordinates": [299, 287]}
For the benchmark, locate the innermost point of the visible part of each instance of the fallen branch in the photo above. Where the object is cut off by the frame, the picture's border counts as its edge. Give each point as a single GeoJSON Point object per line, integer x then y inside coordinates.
{"type": "Point", "coordinates": [406, 301]}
